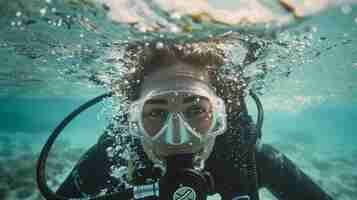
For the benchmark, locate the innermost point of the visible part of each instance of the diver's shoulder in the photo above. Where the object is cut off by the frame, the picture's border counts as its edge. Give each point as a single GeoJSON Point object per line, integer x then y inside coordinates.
{"type": "Point", "coordinates": [266, 151]}
{"type": "Point", "coordinates": [261, 147]}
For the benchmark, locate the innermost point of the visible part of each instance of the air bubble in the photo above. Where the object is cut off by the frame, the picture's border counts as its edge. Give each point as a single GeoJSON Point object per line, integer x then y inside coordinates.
{"type": "Point", "coordinates": [175, 15]}
{"type": "Point", "coordinates": [110, 152]}
{"type": "Point", "coordinates": [18, 14]}
{"type": "Point", "coordinates": [346, 9]}
{"type": "Point", "coordinates": [159, 45]}
{"type": "Point", "coordinates": [53, 10]}
{"type": "Point", "coordinates": [81, 35]}
{"type": "Point", "coordinates": [354, 65]}
{"type": "Point", "coordinates": [174, 29]}
{"type": "Point", "coordinates": [314, 29]}
{"type": "Point", "coordinates": [48, 1]}
{"type": "Point", "coordinates": [142, 29]}
{"type": "Point", "coordinates": [13, 23]}
{"type": "Point", "coordinates": [356, 20]}
{"type": "Point", "coordinates": [43, 11]}
{"type": "Point", "coordinates": [59, 22]}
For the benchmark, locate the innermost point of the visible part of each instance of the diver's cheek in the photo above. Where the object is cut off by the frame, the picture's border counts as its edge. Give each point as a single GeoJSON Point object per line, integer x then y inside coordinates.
{"type": "Point", "coordinates": [202, 126]}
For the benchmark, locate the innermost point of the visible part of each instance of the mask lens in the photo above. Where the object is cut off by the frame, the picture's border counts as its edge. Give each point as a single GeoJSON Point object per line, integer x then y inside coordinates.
{"type": "Point", "coordinates": [198, 113]}
{"type": "Point", "coordinates": [154, 116]}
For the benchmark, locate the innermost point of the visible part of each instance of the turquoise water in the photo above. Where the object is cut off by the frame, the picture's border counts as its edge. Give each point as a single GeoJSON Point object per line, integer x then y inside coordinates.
{"type": "Point", "coordinates": [310, 115]}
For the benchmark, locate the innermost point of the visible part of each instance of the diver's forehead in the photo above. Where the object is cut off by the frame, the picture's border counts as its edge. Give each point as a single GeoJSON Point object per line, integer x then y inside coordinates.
{"type": "Point", "coordinates": [178, 69]}
{"type": "Point", "coordinates": [179, 84]}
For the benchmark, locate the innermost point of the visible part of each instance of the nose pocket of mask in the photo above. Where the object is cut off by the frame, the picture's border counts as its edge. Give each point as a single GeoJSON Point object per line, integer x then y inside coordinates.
{"type": "Point", "coordinates": [177, 133]}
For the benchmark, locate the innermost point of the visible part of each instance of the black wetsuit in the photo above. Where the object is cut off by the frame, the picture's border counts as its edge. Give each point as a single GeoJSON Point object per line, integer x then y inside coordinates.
{"type": "Point", "coordinates": [262, 166]}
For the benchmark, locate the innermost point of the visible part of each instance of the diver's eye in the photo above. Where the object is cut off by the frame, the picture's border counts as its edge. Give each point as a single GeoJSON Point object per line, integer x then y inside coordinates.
{"type": "Point", "coordinates": [196, 111]}
{"type": "Point", "coordinates": [156, 114]}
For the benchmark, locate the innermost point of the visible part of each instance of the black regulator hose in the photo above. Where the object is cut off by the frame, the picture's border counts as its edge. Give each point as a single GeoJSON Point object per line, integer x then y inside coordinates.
{"type": "Point", "coordinates": [41, 163]}
{"type": "Point", "coordinates": [256, 131]}
{"type": "Point", "coordinates": [260, 119]}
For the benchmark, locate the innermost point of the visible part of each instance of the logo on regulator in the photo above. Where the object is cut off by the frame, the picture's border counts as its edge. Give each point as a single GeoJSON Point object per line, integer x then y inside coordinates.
{"type": "Point", "coordinates": [185, 193]}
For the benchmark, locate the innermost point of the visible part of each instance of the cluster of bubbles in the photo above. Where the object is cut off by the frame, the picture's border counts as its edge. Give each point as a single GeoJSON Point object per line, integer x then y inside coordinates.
{"type": "Point", "coordinates": [105, 64]}
{"type": "Point", "coordinates": [106, 61]}
{"type": "Point", "coordinates": [274, 59]}
{"type": "Point", "coordinates": [346, 9]}
{"type": "Point", "coordinates": [22, 20]}
{"type": "Point", "coordinates": [18, 22]}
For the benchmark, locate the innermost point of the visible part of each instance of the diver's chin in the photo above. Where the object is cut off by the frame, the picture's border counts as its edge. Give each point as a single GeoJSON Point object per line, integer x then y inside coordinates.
{"type": "Point", "coordinates": [158, 153]}
{"type": "Point", "coordinates": [171, 150]}
{"type": "Point", "coordinates": [161, 157]}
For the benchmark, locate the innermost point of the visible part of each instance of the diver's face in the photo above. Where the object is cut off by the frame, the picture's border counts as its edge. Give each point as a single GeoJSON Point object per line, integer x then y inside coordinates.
{"type": "Point", "coordinates": [196, 110]}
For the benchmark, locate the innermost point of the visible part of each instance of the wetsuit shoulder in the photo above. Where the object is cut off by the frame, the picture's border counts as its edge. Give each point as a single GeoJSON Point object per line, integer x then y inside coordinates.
{"type": "Point", "coordinates": [91, 175]}
{"type": "Point", "coordinates": [283, 178]}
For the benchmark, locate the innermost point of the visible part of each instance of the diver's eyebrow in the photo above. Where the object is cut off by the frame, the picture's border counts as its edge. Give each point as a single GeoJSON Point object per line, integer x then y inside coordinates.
{"type": "Point", "coordinates": [191, 99]}
{"type": "Point", "coordinates": [157, 101]}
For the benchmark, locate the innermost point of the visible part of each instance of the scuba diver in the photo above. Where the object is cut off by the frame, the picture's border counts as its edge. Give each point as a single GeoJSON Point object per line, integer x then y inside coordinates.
{"type": "Point", "coordinates": [191, 133]}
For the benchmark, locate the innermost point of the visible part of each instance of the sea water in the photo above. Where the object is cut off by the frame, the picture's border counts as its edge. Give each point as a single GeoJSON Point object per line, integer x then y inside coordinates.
{"type": "Point", "coordinates": [310, 115]}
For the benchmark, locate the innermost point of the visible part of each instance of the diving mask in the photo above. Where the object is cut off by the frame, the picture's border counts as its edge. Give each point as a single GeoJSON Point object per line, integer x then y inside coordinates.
{"type": "Point", "coordinates": [180, 117]}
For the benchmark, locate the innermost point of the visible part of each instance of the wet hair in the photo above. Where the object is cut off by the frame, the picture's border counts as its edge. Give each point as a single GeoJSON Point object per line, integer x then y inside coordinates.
{"type": "Point", "coordinates": [208, 54]}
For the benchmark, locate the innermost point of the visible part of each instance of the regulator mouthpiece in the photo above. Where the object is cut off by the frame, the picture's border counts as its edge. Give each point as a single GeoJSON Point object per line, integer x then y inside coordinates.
{"type": "Point", "coordinates": [183, 182]}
